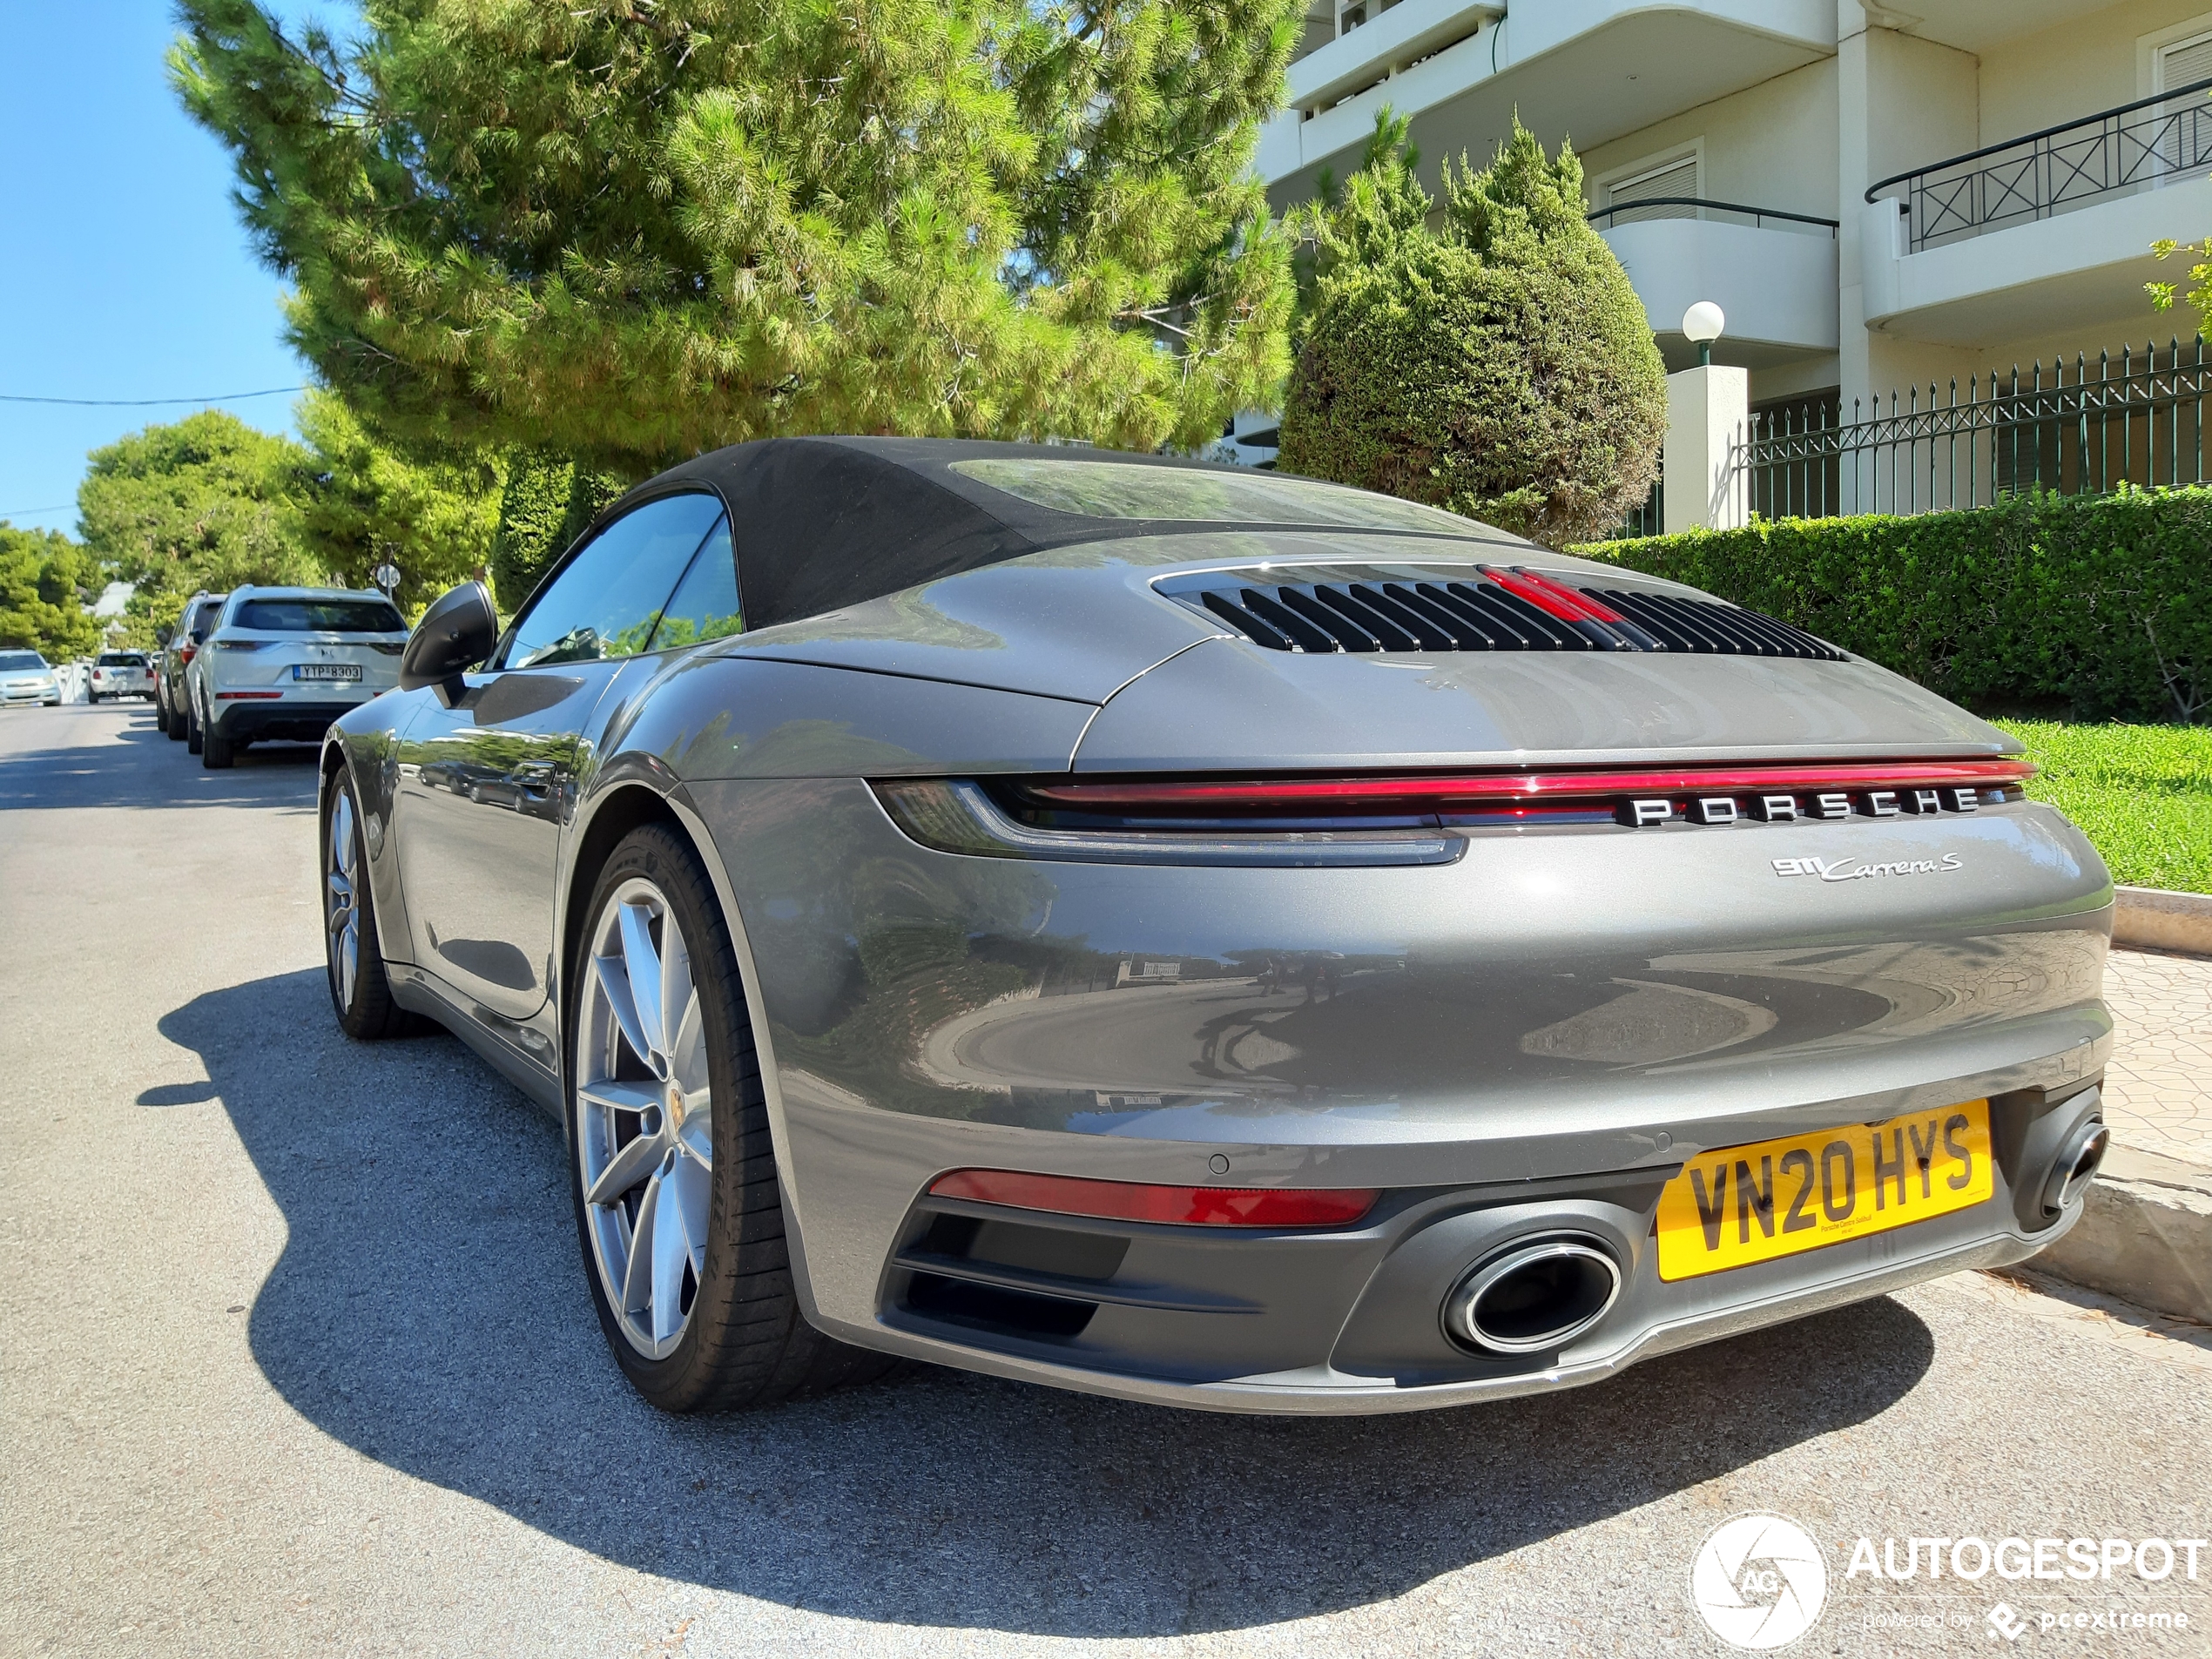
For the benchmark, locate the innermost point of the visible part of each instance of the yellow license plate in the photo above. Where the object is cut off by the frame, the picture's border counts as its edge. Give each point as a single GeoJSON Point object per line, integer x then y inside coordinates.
{"type": "Point", "coordinates": [1751, 1203]}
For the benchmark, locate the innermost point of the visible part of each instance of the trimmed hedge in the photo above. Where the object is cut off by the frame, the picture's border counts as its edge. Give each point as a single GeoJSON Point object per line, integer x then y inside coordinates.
{"type": "Point", "coordinates": [2099, 605]}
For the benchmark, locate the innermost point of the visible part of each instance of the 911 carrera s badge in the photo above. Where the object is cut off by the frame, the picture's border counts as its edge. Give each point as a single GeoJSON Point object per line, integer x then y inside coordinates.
{"type": "Point", "coordinates": [1850, 869]}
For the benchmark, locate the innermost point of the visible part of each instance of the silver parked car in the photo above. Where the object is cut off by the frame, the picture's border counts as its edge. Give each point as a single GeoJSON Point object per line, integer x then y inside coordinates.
{"type": "Point", "coordinates": [1208, 937]}
{"type": "Point", "coordinates": [27, 679]}
{"type": "Point", "coordinates": [286, 662]}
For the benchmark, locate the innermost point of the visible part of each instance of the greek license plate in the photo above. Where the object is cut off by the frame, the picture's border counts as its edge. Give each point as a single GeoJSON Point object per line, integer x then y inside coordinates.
{"type": "Point", "coordinates": [1751, 1203]}
{"type": "Point", "coordinates": [326, 670]}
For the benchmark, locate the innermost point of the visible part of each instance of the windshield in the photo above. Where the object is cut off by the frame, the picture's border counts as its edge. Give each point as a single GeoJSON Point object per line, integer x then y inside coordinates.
{"type": "Point", "coordinates": [14, 661]}
{"type": "Point", "coordinates": [1117, 490]}
{"type": "Point", "coordinates": [318, 616]}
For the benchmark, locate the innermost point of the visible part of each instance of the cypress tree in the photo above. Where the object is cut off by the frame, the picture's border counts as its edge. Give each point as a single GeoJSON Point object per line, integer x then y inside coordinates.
{"type": "Point", "coordinates": [1499, 364]}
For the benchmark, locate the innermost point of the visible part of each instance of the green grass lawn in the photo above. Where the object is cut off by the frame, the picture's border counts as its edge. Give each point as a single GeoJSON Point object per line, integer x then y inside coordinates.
{"type": "Point", "coordinates": [2143, 793]}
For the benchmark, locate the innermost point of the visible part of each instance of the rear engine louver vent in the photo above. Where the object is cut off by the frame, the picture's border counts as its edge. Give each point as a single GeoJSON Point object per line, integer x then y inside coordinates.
{"type": "Point", "coordinates": [1502, 609]}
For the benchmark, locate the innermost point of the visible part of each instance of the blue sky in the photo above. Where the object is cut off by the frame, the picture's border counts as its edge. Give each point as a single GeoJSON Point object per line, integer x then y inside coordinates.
{"type": "Point", "coordinates": [128, 273]}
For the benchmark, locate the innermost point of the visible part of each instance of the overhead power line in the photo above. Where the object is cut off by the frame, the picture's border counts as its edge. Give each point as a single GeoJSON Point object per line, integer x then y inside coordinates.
{"type": "Point", "coordinates": [147, 403]}
{"type": "Point", "coordinates": [25, 512]}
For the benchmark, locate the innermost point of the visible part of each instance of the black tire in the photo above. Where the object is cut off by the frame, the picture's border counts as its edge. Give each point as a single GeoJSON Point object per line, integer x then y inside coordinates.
{"type": "Point", "coordinates": [745, 1343]}
{"type": "Point", "coordinates": [193, 734]}
{"type": "Point", "coordinates": [172, 723]}
{"type": "Point", "coordinates": [369, 1013]}
{"type": "Point", "coordinates": [215, 751]}
{"type": "Point", "coordinates": [92, 699]}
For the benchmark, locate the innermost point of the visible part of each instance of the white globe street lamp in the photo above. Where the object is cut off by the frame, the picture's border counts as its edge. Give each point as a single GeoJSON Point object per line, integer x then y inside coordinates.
{"type": "Point", "coordinates": [1702, 324]}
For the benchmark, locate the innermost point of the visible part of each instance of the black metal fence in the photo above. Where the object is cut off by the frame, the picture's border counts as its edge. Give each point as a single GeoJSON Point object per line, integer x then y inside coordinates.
{"type": "Point", "coordinates": [2084, 429]}
{"type": "Point", "coordinates": [2159, 140]}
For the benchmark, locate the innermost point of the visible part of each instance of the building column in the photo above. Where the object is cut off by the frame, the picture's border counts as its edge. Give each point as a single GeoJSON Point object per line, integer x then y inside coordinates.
{"type": "Point", "coordinates": [1708, 411]}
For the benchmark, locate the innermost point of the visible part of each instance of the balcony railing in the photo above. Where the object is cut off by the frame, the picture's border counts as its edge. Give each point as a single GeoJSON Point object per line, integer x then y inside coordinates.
{"type": "Point", "coordinates": [2162, 140]}
{"type": "Point", "coordinates": [1697, 207]}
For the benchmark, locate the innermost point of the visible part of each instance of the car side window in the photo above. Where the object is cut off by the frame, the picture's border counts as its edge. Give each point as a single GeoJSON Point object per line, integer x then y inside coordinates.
{"type": "Point", "coordinates": [705, 605]}
{"type": "Point", "coordinates": [607, 600]}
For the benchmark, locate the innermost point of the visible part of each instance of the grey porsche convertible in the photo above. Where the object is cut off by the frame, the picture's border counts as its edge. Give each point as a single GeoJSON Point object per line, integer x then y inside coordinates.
{"type": "Point", "coordinates": [1207, 936]}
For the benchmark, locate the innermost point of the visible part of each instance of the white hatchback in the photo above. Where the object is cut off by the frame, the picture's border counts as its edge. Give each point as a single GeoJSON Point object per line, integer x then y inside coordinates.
{"type": "Point", "coordinates": [286, 662]}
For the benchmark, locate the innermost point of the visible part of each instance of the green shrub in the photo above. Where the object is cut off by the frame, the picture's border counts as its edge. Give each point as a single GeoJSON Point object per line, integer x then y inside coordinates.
{"type": "Point", "coordinates": [2099, 606]}
{"type": "Point", "coordinates": [1500, 366]}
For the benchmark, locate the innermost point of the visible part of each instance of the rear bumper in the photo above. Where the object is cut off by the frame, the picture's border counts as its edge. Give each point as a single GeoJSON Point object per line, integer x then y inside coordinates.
{"type": "Point", "coordinates": [297, 720]}
{"type": "Point", "coordinates": [1533, 1037]}
{"type": "Point", "coordinates": [1349, 1320]}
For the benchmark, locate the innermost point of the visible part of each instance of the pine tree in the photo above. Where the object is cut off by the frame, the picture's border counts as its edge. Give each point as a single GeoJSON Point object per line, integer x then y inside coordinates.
{"type": "Point", "coordinates": [206, 502]}
{"type": "Point", "coordinates": [629, 229]}
{"type": "Point", "coordinates": [46, 582]}
{"type": "Point", "coordinates": [364, 500]}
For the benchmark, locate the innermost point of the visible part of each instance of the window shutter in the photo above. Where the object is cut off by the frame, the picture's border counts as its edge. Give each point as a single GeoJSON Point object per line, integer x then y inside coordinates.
{"type": "Point", "coordinates": [1677, 178]}
{"type": "Point", "coordinates": [2185, 61]}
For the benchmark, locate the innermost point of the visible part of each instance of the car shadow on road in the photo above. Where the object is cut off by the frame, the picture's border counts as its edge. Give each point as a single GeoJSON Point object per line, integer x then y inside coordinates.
{"type": "Point", "coordinates": [429, 1309]}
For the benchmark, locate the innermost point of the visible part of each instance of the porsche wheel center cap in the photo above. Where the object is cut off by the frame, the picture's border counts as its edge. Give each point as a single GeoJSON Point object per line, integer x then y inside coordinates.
{"type": "Point", "coordinates": [675, 1107]}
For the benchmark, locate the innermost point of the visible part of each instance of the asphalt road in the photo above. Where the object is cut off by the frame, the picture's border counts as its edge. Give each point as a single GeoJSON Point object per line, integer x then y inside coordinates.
{"type": "Point", "coordinates": [296, 1356]}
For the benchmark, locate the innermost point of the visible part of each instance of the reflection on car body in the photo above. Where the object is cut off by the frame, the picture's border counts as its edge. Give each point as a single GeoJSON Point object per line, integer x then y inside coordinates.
{"type": "Point", "coordinates": [1206, 937]}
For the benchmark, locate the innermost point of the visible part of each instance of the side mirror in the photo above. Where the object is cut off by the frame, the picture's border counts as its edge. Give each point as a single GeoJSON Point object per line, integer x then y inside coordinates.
{"type": "Point", "coordinates": [456, 634]}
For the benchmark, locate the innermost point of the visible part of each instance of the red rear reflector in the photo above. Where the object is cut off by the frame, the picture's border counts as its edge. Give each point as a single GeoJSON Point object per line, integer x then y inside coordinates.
{"type": "Point", "coordinates": [184, 652]}
{"type": "Point", "coordinates": [1528, 785]}
{"type": "Point", "coordinates": [1068, 1195]}
{"type": "Point", "coordinates": [233, 696]}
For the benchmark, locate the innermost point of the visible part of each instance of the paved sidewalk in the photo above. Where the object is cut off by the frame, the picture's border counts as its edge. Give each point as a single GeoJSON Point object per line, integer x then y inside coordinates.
{"type": "Point", "coordinates": [2158, 1087]}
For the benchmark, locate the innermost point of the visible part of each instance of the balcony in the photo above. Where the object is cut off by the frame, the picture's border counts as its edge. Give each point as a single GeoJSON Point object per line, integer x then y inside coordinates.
{"type": "Point", "coordinates": [2049, 232]}
{"type": "Point", "coordinates": [1596, 69]}
{"type": "Point", "coordinates": [1774, 273]}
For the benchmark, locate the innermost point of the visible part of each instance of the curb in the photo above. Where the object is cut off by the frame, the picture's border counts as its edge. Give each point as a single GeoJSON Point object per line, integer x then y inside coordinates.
{"type": "Point", "coordinates": [2145, 1236]}
{"type": "Point", "coordinates": [2162, 920]}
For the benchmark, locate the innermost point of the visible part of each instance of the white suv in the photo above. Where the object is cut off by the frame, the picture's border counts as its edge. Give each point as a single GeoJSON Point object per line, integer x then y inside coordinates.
{"type": "Point", "coordinates": [286, 662]}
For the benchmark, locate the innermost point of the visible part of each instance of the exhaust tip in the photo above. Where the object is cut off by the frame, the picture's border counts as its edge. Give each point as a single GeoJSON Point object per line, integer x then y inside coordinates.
{"type": "Point", "coordinates": [2076, 1165]}
{"type": "Point", "coordinates": [1535, 1295]}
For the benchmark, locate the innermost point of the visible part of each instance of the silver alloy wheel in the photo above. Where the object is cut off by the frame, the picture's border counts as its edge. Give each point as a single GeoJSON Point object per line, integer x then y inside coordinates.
{"type": "Point", "coordinates": [341, 916]}
{"type": "Point", "coordinates": [645, 1140]}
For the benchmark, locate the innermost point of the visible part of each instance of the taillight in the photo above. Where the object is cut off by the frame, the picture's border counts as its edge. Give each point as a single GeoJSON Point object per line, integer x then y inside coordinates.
{"type": "Point", "coordinates": [184, 652]}
{"type": "Point", "coordinates": [1404, 818]}
{"type": "Point", "coordinates": [1386, 796]}
{"type": "Point", "coordinates": [1180, 1206]}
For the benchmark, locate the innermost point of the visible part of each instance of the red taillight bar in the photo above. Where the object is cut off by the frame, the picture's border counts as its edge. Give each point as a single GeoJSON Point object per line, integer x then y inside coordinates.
{"type": "Point", "coordinates": [1529, 786]}
{"type": "Point", "coordinates": [1068, 1195]}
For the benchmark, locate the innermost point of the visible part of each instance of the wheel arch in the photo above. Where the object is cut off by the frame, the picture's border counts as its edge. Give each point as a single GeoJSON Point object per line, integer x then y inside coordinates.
{"type": "Point", "coordinates": [647, 793]}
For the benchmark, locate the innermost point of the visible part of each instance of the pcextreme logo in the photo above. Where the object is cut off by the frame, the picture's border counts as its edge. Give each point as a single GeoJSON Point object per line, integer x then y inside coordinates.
{"type": "Point", "coordinates": [1758, 1582]}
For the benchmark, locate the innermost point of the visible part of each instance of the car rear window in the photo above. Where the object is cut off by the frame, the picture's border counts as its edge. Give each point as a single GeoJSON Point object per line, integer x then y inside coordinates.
{"type": "Point", "coordinates": [120, 659]}
{"type": "Point", "coordinates": [1118, 489]}
{"type": "Point", "coordinates": [318, 616]}
{"type": "Point", "coordinates": [14, 661]}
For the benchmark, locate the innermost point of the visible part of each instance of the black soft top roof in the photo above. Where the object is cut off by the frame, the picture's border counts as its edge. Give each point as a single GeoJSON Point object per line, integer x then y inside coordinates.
{"type": "Point", "coordinates": [825, 522]}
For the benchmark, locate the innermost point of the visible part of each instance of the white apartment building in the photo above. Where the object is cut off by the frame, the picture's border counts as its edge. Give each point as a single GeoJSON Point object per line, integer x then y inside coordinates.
{"type": "Point", "coordinates": [1879, 199]}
